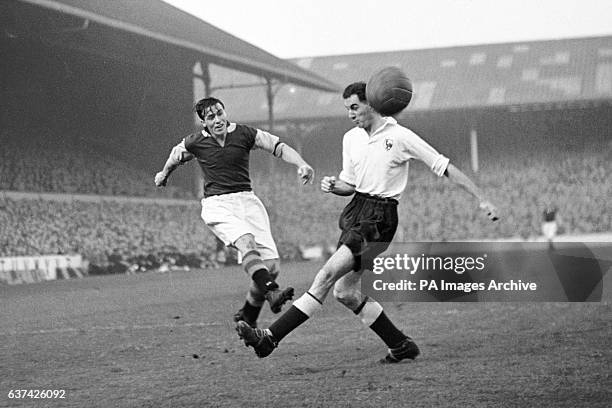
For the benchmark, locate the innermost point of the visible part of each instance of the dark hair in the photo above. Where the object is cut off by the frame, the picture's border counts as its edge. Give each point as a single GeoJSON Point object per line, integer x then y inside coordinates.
{"type": "Point", "coordinates": [356, 88]}
{"type": "Point", "coordinates": [205, 103]}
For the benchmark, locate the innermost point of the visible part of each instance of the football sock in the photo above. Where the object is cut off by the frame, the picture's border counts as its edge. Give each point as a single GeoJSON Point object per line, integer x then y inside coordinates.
{"type": "Point", "coordinates": [251, 312]}
{"type": "Point", "coordinates": [264, 281]}
{"type": "Point", "coordinates": [372, 315]}
{"type": "Point", "coordinates": [254, 296]}
{"type": "Point", "coordinates": [298, 313]}
{"type": "Point", "coordinates": [256, 269]}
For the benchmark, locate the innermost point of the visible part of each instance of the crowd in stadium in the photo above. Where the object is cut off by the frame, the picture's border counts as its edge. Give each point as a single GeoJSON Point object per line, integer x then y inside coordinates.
{"type": "Point", "coordinates": [124, 234]}
{"type": "Point", "coordinates": [149, 232]}
{"type": "Point", "coordinates": [46, 166]}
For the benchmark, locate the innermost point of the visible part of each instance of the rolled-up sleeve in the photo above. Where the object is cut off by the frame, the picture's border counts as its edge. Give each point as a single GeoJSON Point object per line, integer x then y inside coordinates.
{"type": "Point", "coordinates": [419, 149]}
{"type": "Point", "coordinates": [440, 165]}
{"type": "Point", "coordinates": [266, 141]}
{"type": "Point", "coordinates": [348, 170]}
{"type": "Point", "coordinates": [180, 154]}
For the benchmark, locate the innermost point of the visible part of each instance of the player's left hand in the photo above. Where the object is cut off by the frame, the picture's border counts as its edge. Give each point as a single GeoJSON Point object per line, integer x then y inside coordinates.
{"type": "Point", "coordinates": [490, 210]}
{"type": "Point", "coordinates": [306, 173]}
{"type": "Point", "coordinates": [161, 179]}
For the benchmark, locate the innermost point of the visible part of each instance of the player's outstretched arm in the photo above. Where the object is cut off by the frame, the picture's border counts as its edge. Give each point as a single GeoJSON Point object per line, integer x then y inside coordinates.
{"type": "Point", "coordinates": [177, 156]}
{"type": "Point", "coordinates": [329, 184]}
{"type": "Point", "coordinates": [267, 141]}
{"type": "Point", "coordinates": [459, 178]}
{"type": "Point", "coordinates": [304, 170]}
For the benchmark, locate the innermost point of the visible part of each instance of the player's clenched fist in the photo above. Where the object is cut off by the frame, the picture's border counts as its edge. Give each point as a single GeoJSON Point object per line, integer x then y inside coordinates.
{"type": "Point", "coordinates": [328, 183]}
{"type": "Point", "coordinates": [161, 178]}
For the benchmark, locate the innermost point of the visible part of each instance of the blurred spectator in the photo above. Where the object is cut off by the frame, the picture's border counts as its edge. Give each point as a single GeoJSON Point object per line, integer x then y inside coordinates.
{"type": "Point", "coordinates": [549, 223]}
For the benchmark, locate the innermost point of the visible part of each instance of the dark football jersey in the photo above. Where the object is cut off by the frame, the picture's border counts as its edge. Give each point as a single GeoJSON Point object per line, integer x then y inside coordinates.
{"type": "Point", "coordinates": [226, 168]}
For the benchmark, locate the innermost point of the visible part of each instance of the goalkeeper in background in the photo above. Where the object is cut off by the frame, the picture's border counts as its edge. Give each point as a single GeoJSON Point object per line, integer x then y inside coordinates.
{"type": "Point", "coordinates": [230, 208]}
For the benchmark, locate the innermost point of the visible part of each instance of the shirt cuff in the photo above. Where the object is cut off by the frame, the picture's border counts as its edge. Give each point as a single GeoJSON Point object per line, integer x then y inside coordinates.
{"type": "Point", "coordinates": [179, 153]}
{"type": "Point", "coordinates": [440, 165]}
{"type": "Point", "coordinates": [266, 141]}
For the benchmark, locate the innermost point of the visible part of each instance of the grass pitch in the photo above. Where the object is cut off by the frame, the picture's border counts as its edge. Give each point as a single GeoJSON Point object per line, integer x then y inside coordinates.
{"type": "Point", "coordinates": [167, 340]}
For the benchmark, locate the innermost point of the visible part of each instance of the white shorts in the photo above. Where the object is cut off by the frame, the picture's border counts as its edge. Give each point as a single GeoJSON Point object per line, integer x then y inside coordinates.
{"type": "Point", "coordinates": [230, 216]}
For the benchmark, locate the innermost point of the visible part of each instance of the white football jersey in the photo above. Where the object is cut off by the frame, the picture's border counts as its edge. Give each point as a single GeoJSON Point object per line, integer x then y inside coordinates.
{"type": "Point", "coordinates": [378, 164]}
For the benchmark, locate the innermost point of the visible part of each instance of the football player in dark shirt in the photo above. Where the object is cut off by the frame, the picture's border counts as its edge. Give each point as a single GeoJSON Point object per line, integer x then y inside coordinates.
{"type": "Point", "coordinates": [230, 208]}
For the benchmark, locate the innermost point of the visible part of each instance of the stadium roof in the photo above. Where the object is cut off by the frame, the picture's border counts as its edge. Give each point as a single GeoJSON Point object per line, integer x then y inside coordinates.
{"type": "Point", "coordinates": [493, 75]}
{"type": "Point", "coordinates": [160, 22]}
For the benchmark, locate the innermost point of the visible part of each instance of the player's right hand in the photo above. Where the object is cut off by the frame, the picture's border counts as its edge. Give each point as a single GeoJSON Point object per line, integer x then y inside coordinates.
{"type": "Point", "coordinates": [306, 173]}
{"type": "Point", "coordinates": [328, 183]}
{"type": "Point", "coordinates": [161, 179]}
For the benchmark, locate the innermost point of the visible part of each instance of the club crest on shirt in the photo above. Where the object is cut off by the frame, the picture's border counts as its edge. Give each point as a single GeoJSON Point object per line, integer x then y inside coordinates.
{"type": "Point", "coordinates": [388, 144]}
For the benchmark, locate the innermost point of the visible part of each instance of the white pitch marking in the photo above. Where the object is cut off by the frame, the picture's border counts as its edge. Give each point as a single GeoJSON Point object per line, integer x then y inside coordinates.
{"type": "Point", "coordinates": [111, 328]}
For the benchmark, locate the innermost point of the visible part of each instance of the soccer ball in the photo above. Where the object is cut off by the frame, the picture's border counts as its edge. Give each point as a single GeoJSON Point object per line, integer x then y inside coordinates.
{"type": "Point", "coordinates": [389, 91]}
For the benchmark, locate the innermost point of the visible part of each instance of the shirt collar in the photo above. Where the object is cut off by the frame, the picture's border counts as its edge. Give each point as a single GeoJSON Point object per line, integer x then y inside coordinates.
{"type": "Point", "coordinates": [388, 121]}
{"type": "Point", "coordinates": [230, 128]}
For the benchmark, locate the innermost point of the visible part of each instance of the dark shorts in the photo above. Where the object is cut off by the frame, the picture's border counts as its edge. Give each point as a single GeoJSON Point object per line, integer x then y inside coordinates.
{"type": "Point", "coordinates": [368, 224]}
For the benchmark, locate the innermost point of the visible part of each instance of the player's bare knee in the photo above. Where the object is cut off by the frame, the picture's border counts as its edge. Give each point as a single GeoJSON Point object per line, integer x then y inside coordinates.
{"type": "Point", "coordinates": [341, 295]}
{"type": "Point", "coordinates": [346, 296]}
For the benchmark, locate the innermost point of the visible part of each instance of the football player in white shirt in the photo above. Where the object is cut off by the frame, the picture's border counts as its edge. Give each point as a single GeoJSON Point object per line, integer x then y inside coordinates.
{"type": "Point", "coordinates": [375, 157]}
